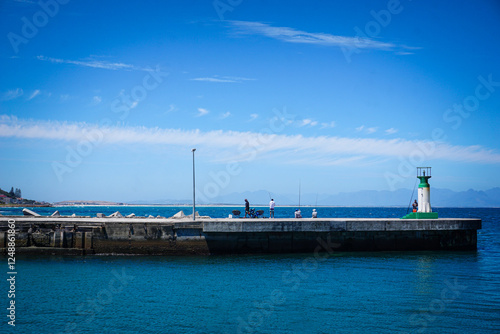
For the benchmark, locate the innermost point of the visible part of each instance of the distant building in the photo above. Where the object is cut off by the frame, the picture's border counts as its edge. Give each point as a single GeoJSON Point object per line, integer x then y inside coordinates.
{"type": "Point", "coordinates": [5, 199]}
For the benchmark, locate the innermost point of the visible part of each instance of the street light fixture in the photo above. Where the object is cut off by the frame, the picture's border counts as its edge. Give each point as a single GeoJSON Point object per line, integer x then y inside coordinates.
{"type": "Point", "coordinates": [194, 196]}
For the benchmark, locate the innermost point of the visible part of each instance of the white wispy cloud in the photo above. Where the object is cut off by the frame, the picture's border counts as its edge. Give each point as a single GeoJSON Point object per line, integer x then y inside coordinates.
{"type": "Point", "coordinates": [225, 115]}
{"type": "Point", "coordinates": [35, 93]}
{"type": "Point", "coordinates": [323, 150]}
{"type": "Point", "coordinates": [325, 125]}
{"type": "Point", "coordinates": [202, 112]}
{"type": "Point", "coordinates": [292, 35]}
{"type": "Point", "coordinates": [123, 95]}
{"type": "Point", "coordinates": [171, 108]}
{"type": "Point", "coordinates": [12, 94]}
{"type": "Point", "coordinates": [253, 117]}
{"type": "Point", "coordinates": [213, 80]}
{"type": "Point", "coordinates": [366, 130]}
{"type": "Point", "coordinates": [391, 131]}
{"type": "Point", "coordinates": [217, 78]}
{"type": "Point", "coordinates": [308, 122]}
{"type": "Point", "coordinates": [94, 63]}
{"type": "Point", "coordinates": [64, 97]}
{"type": "Point", "coordinates": [96, 100]}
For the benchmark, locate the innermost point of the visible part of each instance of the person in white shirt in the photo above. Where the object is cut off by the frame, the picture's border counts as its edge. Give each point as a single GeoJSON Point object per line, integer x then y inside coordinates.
{"type": "Point", "coordinates": [271, 208]}
{"type": "Point", "coordinates": [298, 214]}
{"type": "Point", "coordinates": [315, 214]}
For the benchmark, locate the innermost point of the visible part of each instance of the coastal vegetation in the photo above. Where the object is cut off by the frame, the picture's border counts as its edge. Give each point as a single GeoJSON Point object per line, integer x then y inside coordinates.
{"type": "Point", "coordinates": [14, 198]}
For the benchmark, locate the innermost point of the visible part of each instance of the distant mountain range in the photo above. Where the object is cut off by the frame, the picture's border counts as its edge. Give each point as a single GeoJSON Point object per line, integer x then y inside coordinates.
{"type": "Point", "coordinates": [400, 197]}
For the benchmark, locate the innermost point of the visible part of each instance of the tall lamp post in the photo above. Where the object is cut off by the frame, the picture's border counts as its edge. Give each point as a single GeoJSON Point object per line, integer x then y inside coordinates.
{"type": "Point", "coordinates": [194, 198]}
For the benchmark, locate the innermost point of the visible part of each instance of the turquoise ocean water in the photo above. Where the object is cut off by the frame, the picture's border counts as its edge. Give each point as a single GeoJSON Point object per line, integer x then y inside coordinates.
{"type": "Point", "coordinates": [386, 292]}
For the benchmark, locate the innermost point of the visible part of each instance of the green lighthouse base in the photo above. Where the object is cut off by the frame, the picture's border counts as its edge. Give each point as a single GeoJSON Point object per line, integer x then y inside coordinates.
{"type": "Point", "coordinates": [421, 215]}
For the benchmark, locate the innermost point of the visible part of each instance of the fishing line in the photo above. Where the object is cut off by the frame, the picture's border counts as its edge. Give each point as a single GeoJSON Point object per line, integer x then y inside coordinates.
{"type": "Point", "coordinates": [411, 196]}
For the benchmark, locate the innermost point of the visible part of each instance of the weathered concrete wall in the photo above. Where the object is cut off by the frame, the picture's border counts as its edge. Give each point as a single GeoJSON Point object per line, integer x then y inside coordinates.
{"type": "Point", "coordinates": [222, 236]}
{"type": "Point", "coordinates": [339, 224]}
{"type": "Point", "coordinates": [105, 236]}
{"type": "Point", "coordinates": [291, 242]}
{"type": "Point", "coordinates": [340, 234]}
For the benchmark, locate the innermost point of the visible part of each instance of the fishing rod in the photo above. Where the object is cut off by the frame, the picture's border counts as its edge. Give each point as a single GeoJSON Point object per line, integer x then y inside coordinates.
{"type": "Point", "coordinates": [299, 195]}
{"type": "Point", "coordinates": [407, 209]}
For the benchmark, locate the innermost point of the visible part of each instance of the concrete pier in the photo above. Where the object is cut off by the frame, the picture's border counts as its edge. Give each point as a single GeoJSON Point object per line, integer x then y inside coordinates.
{"type": "Point", "coordinates": [67, 235]}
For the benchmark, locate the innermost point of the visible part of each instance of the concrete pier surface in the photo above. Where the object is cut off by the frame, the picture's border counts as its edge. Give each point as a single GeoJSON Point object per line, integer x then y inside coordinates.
{"type": "Point", "coordinates": [167, 236]}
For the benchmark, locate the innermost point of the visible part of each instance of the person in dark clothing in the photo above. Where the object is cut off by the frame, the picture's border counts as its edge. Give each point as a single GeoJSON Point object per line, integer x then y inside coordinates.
{"type": "Point", "coordinates": [415, 206]}
{"type": "Point", "coordinates": [247, 207]}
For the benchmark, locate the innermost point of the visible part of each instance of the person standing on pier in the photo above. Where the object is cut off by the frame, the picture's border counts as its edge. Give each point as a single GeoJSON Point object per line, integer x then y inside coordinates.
{"type": "Point", "coordinates": [271, 208]}
{"type": "Point", "coordinates": [247, 207]}
{"type": "Point", "coordinates": [415, 206]}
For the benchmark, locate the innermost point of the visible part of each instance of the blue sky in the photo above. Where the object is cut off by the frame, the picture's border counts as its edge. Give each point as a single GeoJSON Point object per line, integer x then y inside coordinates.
{"type": "Point", "coordinates": [104, 100]}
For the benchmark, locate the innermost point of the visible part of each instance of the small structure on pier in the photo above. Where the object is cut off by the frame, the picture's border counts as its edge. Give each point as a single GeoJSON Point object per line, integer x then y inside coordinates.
{"type": "Point", "coordinates": [424, 196]}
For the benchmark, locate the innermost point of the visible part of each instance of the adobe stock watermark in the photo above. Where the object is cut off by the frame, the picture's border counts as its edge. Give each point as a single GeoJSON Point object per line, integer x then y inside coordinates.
{"type": "Point", "coordinates": [372, 28]}
{"type": "Point", "coordinates": [425, 316]}
{"type": "Point", "coordinates": [93, 138]}
{"type": "Point", "coordinates": [11, 272]}
{"type": "Point", "coordinates": [291, 280]}
{"type": "Point", "coordinates": [126, 102]}
{"type": "Point", "coordinates": [249, 149]}
{"type": "Point", "coordinates": [31, 27]}
{"type": "Point", "coordinates": [104, 298]}
{"type": "Point", "coordinates": [223, 6]}
{"type": "Point", "coordinates": [454, 117]}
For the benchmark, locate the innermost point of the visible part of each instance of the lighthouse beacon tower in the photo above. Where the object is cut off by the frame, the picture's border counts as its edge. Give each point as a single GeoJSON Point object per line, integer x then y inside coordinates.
{"type": "Point", "coordinates": [424, 197]}
{"type": "Point", "coordinates": [424, 189]}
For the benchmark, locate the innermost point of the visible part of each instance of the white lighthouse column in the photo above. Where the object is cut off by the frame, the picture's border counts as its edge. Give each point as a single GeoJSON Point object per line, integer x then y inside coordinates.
{"type": "Point", "coordinates": [424, 199]}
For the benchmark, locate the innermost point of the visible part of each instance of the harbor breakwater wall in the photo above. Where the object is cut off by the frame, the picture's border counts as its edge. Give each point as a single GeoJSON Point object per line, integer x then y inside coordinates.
{"type": "Point", "coordinates": [166, 236]}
